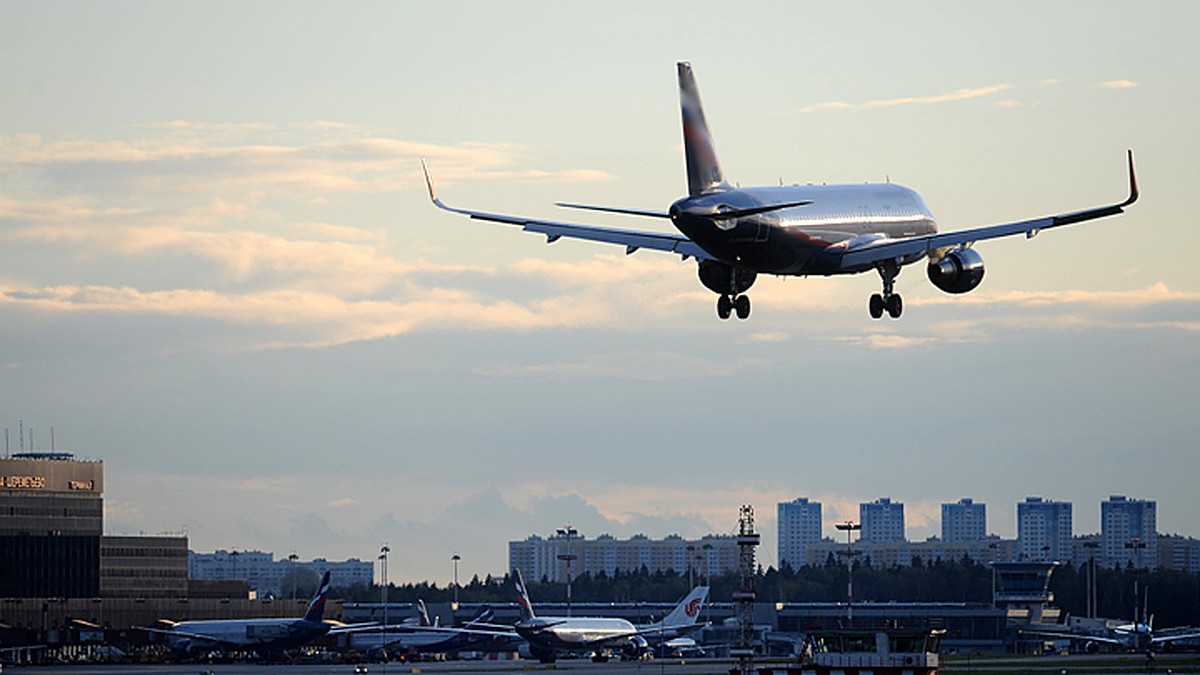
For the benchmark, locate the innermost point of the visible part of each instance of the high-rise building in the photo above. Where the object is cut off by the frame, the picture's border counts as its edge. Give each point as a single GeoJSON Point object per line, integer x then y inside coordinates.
{"type": "Point", "coordinates": [1044, 530]}
{"type": "Point", "coordinates": [267, 576]}
{"type": "Point", "coordinates": [799, 523]}
{"type": "Point", "coordinates": [882, 520]}
{"type": "Point", "coordinates": [1128, 532]}
{"type": "Point", "coordinates": [552, 558]}
{"type": "Point", "coordinates": [52, 518]}
{"type": "Point", "coordinates": [964, 520]}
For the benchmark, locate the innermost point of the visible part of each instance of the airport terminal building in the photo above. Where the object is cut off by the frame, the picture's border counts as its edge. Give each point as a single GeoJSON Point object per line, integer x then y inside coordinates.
{"type": "Point", "coordinates": [53, 518]}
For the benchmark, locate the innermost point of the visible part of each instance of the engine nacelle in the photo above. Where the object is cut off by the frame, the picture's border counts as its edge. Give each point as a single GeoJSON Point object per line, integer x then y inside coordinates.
{"type": "Point", "coordinates": [636, 648]}
{"type": "Point", "coordinates": [959, 271]}
{"type": "Point", "coordinates": [718, 277]}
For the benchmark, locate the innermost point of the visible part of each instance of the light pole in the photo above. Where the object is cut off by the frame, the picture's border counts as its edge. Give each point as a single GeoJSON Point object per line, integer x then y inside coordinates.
{"type": "Point", "coordinates": [454, 559]}
{"type": "Point", "coordinates": [708, 580]}
{"type": "Point", "coordinates": [1137, 545]}
{"type": "Point", "coordinates": [691, 551]}
{"type": "Point", "coordinates": [1091, 545]}
{"type": "Point", "coordinates": [570, 534]}
{"type": "Point", "coordinates": [848, 527]}
{"type": "Point", "coordinates": [383, 559]}
{"type": "Point", "coordinates": [292, 559]}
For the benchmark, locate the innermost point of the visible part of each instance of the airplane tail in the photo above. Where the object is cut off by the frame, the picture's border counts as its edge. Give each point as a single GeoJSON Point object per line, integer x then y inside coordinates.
{"type": "Point", "coordinates": [522, 596]}
{"type": "Point", "coordinates": [482, 615]}
{"type": "Point", "coordinates": [422, 614]}
{"type": "Point", "coordinates": [703, 169]}
{"type": "Point", "coordinates": [316, 608]}
{"type": "Point", "coordinates": [687, 612]}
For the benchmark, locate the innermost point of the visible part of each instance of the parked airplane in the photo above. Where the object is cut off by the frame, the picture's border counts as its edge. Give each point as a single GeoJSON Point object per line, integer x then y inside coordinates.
{"type": "Point", "coordinates": [193, 639]}
{"type": "Point", "coordinates": [1138, 635]}
{"type": "Point", "coordinates": [736, 233]}
{"type": "Point", "coordinates": [427, 638]}
{"type": "Point", "coordinates": [684, 619]}
{"type": "Point", "coordinates": [548, 636]}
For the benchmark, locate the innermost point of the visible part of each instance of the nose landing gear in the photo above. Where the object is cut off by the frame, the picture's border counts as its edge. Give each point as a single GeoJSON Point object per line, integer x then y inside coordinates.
{"type": "Point", "coordinates": [888, 301]}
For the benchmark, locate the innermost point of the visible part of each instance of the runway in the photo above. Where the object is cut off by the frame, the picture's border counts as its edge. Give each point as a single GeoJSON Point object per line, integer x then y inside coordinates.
{"type": "Point", "coordinates": [1122, 664]}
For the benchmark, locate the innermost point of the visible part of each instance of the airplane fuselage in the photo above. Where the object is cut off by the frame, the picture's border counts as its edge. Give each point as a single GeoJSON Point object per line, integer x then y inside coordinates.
{"type": "Point", "coordinates": [575, 634]}
{"type": "Point", "coordinates": [416, 640]}
{"type": "Point", "coordinates": [258, 634]}
{"type": "Point", "coordinates": [801, 240]}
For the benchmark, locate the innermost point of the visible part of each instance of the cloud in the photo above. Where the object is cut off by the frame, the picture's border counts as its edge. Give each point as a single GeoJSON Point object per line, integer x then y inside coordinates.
{"type": "Point", "coordinates": [255, 159]}
{"type": "Point", "coordinates": [1117, 84]}
{"type": "Point", "coordinates": [956, 95]}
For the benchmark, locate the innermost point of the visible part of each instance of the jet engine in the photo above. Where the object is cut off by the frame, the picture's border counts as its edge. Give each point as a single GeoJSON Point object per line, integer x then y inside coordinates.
{"type": "Point", "coordinates": [718, 278]}
{"type": "Point", "coordinates": [959, 271]}
{"type": "Point", "coordinates": [636, 648]}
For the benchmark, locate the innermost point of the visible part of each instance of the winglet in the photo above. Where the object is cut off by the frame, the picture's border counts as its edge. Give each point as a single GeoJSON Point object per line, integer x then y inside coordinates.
{"type": "Point", "coordinates": [429, 183]}
{"type": "Point", "coordinates": [1133, 186]}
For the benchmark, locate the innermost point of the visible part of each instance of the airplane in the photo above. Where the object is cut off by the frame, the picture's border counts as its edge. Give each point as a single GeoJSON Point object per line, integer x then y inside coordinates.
{"type": "Point", "coordinates": [193, 639]}
{"type": "Point", "coordinates": [736, 234]}
{"type": "Point", "coordinates": [1136, 636]}
{"type": "Point", "coordinates": [548, 636]}
{"type": "Point", "coordinates": [429, 638]}
{"type": "Point", "coordinates": [684, 620]}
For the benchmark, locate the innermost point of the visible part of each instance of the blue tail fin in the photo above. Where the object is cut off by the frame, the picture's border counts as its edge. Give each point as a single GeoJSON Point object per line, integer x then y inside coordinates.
{"type": "Point", "coordinates": [482, 615]}
{"type": "Point", "coordinates": [316, 608]}
{"type": "Point", "coordinates": [522, 596]}
{"type": "Point", "coordinates": [703, 169]}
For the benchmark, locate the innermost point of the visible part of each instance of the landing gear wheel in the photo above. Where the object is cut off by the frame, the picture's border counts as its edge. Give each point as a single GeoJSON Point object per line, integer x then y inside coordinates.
{"type": "Point", "coordinates": [724, 307]}
{"type": "Point", "coordinates": [876, 306]}
{"type": "Point", "coordinates": [741, 304]}
{"type": "Point", "coordinates": [895, 306]}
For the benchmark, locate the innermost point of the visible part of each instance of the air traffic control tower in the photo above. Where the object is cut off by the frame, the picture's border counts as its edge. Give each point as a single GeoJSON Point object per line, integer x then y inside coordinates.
{"type": "Point", "coordinates": [51, 520]}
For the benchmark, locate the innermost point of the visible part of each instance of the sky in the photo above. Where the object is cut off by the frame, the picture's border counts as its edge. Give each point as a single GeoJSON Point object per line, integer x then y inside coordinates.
{"type": "Point", "coordinates": [221, 274]}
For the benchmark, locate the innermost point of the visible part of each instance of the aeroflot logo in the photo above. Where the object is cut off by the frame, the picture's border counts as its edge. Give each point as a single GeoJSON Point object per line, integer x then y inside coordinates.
{"type": "Point", "coordinates": [693, 608]}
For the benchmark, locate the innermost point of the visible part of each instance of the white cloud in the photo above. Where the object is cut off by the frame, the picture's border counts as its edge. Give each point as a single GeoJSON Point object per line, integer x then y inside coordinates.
{"type": "Point", "coordinates": [1117, 84]}
{"type": "Point", "coordinates": [948, 97]}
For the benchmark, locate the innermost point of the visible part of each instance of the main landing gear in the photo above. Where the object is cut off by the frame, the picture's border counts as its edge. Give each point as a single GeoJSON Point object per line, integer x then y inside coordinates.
{"type": "Point", "coordinates": [728, 304]}
{"type": "Point", "coordinates": [729, 283]}
{"type": "Point", "coordinates": [888, 301]}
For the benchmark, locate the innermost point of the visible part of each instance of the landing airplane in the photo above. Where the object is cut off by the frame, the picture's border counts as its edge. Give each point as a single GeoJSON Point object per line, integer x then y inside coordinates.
{"type": "Point", "coordinates": [737, 233]}
{"type": "Point", "coordinates": [192, 639]}
{"type": "Point", "coordinates": [548, 636]}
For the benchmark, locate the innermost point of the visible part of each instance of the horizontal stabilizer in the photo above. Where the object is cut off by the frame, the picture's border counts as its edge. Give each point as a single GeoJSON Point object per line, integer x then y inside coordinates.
{"type": "Point", "coordinates": [614, 209]}
{"type": "Point", "coordinates": [742, 213]}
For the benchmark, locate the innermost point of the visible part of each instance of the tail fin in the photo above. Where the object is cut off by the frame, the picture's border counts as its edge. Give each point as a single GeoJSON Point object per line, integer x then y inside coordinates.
{"type": "Point", "coordinates": [522, 596]}
{"type": "Point", "coordinates": [703, 169]}
{"type": "Point", "coordinates": [316, 608]}
{"type": "Point", "coordinates": [422, 614]}
{"type": "Point", "coordinates": [482, 615]}
{"type": "Point", "coordinates": [687, 612]}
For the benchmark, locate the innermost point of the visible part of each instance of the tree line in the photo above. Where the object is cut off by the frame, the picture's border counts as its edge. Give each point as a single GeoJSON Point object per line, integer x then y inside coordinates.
{"type": "Point", "coordinates": [1173, 596]}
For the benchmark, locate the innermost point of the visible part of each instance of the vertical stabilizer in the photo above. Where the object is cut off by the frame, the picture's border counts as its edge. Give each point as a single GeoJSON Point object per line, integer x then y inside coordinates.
{"type": "Point", "coordinates": [522, 596]}
{"type": "Point", "coordinates": [316, 608]}
{"type": "Point", "coordinates": [703, 169]}
{"type": "Point", "coordinates": [422, 614]}
{"type": "Point", "coordinates": [687, 612]}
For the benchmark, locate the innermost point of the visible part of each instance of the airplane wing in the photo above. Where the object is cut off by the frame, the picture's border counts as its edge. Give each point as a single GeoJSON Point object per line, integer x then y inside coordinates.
{"type": "Point", "coordinates": [1175, 636]}
{"type": "Point", "coordinates": [199, 637]}
{"type": "Point", "coordinates": [632, 240]}
{"type": "Point", "coordinates": [1081, 637]}
{"type": "Point", "coordinates": [336, 628]}
{"type": "Point", "coordinates": [889, 249]}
